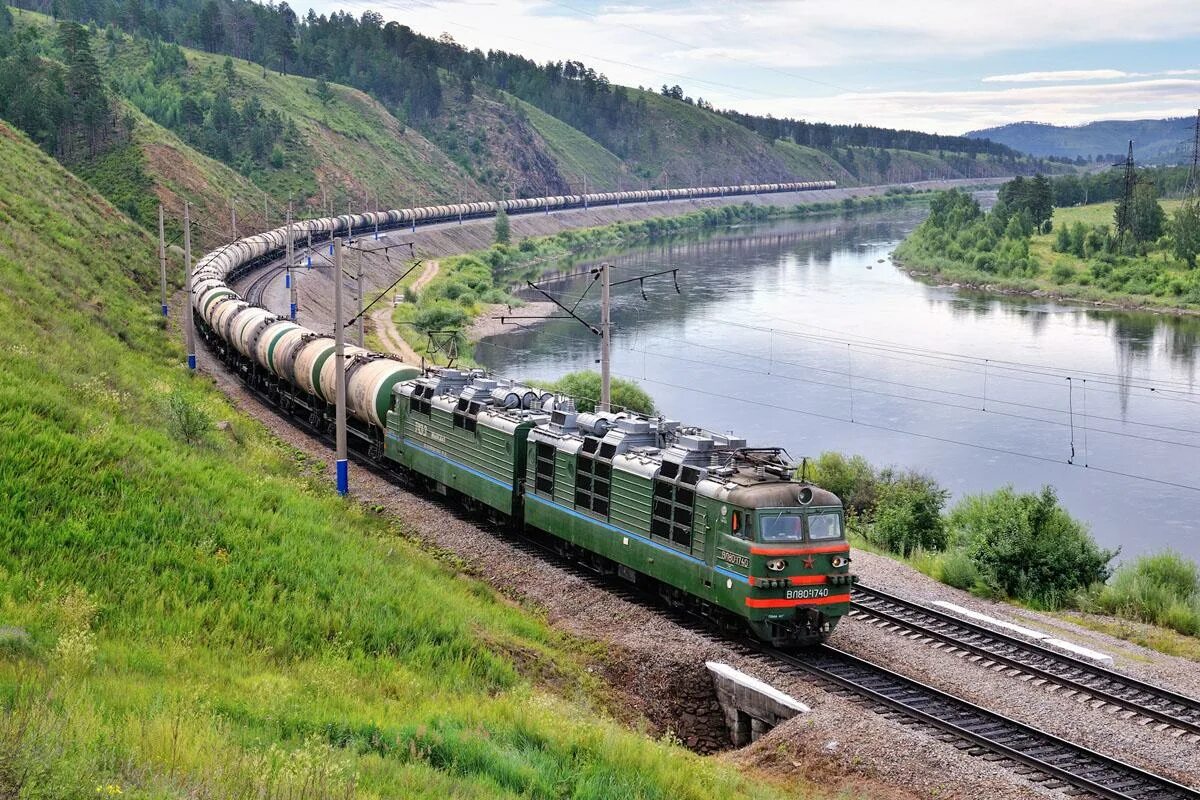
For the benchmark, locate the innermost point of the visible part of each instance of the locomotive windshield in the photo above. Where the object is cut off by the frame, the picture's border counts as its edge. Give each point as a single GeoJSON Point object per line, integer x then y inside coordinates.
{"type": "Point", "coordinates": [790, 527]}
{"type": "Point", "coordinates": [824, 526]}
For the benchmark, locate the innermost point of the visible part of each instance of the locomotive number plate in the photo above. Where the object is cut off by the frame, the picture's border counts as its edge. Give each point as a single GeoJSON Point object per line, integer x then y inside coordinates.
{"type": "Point", "coordinates": [808, 594]}
{"type": "Point", "coordinates": [733, 558]}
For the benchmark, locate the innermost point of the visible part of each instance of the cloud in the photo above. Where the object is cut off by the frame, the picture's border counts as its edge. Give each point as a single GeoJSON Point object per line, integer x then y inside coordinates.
{"type": "Point", "coordinates": [1060, 75]}
{"type": "Point", "coordinates": [803, 57]}
{"type": "Point", "coordinates": [957, 111]}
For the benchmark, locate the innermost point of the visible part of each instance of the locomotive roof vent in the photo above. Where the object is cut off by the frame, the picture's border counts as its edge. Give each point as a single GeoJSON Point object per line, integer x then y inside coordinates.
{"type": "Point", "coordinates": [694, 442]}
{"type": "Point", "coordinates": [563, 416]}
{"type": "Point", "coordinates": [595, 423]}
{"type": "Point", "coordinates": [633, 425]}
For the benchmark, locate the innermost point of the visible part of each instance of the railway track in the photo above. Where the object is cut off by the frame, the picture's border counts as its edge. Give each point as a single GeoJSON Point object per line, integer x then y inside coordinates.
{"type": "Point", "coordinates": [1040, 757]}
{"type": "Point", "coordinates": [256, 288]}
{"type": "Point", "coordinates": [1150, 704]}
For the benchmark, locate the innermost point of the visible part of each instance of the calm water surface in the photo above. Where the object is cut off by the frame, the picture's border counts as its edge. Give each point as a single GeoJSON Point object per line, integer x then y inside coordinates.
{"type": "Point", "coordinates": [787, 332]}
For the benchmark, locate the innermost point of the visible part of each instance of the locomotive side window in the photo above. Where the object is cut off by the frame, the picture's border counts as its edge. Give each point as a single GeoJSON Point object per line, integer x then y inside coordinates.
{"type": "Point", "coordinates": [592, 476]}
{"type": "Point", "coordinates": [544, 468]}
{"type": "Point", "coordinates": [824, 526]}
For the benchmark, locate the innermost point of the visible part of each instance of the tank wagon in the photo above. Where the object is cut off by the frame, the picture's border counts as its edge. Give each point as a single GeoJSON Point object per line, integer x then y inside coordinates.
{"type": "Point", "coordinates": [707, 520]}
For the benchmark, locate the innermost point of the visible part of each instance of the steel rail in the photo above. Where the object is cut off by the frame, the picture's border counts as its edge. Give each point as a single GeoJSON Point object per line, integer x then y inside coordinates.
{"type": "Point", "coordinates": [1072, 764]}
{"type": "Point", "coordinates": [1144, 699]}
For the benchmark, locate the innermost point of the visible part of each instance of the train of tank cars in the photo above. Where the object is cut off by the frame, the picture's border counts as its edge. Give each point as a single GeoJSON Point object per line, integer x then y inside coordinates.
{"type": "Point", "coordinates": [706, 519]}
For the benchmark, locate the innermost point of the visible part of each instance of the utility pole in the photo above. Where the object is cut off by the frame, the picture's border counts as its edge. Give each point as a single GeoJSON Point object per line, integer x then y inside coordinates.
{"type": "Point", "coordinates": [162, 260]}
{"type": "Point", "coordinates": [1193, 182]}
{"type": "Point", "coordinates": [341, 465]}
{"type": "Point", "coordinates": [190, 328]}
{"type": "Point", "coordinates": [1125, 210]}
{"type": "Point", "coordinates": [585, 200]}
{"type": "Point", "coordinates": [605, 337]}
{"type": "Point", "coordinates": [291, 264]}
{"type": "Point", "coordinates": [310, 246]}
{"type": "Point", "coordinates": [349, 225]}
{"type": "Point", "coordinates": [324, 202]}
{"type": "Point", "coordinates": [361, 300]}
{"type": "Point", "coordinates": [602, 273]}
{"type": "Point", "coordinates": [266, 212]}
{"type": "Point", "coordinates": [233, 217]}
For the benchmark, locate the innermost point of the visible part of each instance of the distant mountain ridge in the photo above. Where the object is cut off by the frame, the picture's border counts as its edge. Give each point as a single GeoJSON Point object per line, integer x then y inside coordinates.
{"type": "Point", "coordinates": [1155, 141]}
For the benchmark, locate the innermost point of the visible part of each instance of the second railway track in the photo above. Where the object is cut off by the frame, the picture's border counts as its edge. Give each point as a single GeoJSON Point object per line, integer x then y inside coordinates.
{"type": "Point", "coordinates": [1152, 704]}
{"type": "Point", "coordinates": [1041, 757]}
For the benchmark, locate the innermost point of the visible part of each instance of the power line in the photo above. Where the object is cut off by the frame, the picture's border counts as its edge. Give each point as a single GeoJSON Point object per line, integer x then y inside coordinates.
{"type": "Point", "coordinates": [850, 387]}
{"type": "Point", "coordinates": [899, 431]}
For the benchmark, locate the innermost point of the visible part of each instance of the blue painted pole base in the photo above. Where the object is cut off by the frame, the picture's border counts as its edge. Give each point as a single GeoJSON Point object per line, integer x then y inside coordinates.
{"type": "Point", "coordinates": [192, 361]}
{"type": "Point", "coordinates": [343, 476]}
{"type": "Point", "coordinates": [164, 310]}
{"type": "Point", "coordinates": [330, 249]}
{"type": "Point", "coordinates": [293, 312]}
{"type": "Point", "coordinates": [310, 262]}
{"type": "Point", "coordinates": [287, 280]}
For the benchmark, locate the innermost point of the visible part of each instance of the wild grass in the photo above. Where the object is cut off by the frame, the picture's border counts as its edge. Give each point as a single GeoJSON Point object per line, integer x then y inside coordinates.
{"type": "Point", "coordinates": [1163, 589]}
{"type": "Point", "coordinates": [188, 611]}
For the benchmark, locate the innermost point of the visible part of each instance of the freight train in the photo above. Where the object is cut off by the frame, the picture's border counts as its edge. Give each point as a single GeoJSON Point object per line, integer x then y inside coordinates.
{"type": "Point", "coordinates": [708, 521]}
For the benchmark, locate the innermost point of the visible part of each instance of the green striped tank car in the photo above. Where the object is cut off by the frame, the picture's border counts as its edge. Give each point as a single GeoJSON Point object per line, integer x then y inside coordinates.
{"type": "Point", "coordinates": [709, 522]}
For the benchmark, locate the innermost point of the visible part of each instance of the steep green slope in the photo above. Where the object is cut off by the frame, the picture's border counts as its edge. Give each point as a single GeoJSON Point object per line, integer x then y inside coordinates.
{"type": "Point", "coordinates": [575, 153]}
{"type": "Point", "coordinates": [186, 610]}
{"type": "Point", "coordinates": [334, 138]}
{"type": "Point", "coordinates": [495, 144]}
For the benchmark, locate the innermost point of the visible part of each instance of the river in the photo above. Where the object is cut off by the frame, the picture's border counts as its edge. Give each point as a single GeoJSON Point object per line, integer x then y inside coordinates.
{"type": "Point", "coordinates": [802, 334]}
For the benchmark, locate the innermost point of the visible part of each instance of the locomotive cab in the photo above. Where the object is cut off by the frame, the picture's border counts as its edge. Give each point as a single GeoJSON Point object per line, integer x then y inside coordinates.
{"type": "Point", "coordinates": [788, 540]}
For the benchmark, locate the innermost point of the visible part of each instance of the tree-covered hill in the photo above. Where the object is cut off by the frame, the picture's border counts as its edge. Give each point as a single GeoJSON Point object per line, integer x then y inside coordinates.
{"type": "Point", "coordinates": [1157, 141]}
{"type": "Point", "coordinates": [351, 107]}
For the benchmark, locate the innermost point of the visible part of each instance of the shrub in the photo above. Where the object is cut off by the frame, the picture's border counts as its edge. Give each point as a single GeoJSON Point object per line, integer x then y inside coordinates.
{"type": "Point", "coordinates": [1062, 272]}
{"type": "Point", "coordinates": [584, 387]}
{"type": "Point", "coordinates": [186, 418]}
{"type": "Point", "coordinates": [1027, 546]}
{"type": "Point", "coordinates": [852, 479]}
{"type": "Point", "coordinates": [958, 570]}
{"type": "Point", "coordinates": [1163, 589]}
{"type": "Point", "coordinates": [438, 316]}
{"type": "Point", "coordinates": [908, 513]}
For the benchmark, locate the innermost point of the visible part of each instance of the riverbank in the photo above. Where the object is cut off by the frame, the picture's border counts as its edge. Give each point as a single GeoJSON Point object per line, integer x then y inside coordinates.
{"type": "Point", "coordinates": [1049, 269]}
{"type": "Point", "coordinates": [473, 290]}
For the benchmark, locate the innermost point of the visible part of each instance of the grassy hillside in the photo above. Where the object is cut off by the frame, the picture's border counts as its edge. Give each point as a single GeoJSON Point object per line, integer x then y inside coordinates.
{"type": "Point", "coordinates": [341, 140]}
{"type": "Point", "coordinates": [183, 613]}
{"type": "Point", "coordinates": [496, 145]}
{"type": "Point", "coordinates": [575, 154]}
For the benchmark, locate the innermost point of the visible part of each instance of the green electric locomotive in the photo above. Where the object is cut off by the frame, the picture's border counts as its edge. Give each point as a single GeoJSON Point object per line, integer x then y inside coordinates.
{"type": "Point", "coordinates": [709, 521]}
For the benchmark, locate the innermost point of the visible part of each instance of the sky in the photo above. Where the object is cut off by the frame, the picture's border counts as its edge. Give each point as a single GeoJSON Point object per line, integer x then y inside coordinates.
{"type": "Point", "coordinates": [946, 66]}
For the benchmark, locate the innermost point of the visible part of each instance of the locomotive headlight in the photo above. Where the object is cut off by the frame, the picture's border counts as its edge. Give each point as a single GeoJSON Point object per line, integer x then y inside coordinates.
{"type": "Point", "coordinates": [777, 565]}
{"type": "Point", "coordinates": [839, 561]}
